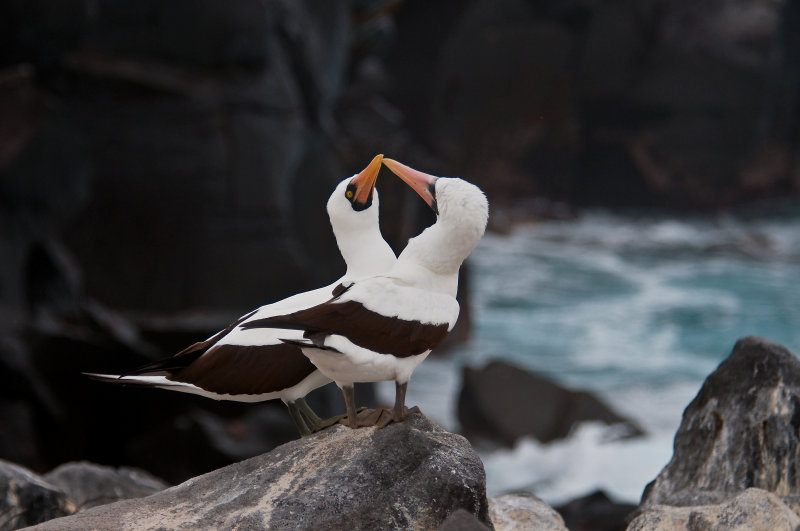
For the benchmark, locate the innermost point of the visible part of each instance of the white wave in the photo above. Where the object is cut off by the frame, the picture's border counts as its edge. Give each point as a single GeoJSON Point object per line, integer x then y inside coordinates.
{"type": "Point", "coordinates": [586, 461]}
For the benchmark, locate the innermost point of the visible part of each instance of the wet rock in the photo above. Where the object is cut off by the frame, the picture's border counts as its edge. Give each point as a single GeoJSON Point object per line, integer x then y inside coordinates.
{"type": "Point", "coordinates": [26, 499]}
{"type": "Point", "coordinates": [89, 485]}
{"type": "Point", "coordinates": [501, 403]}
{"type": "Point", "coordinates": [411, 475]}
{"type": "Point", "coordinates": [751, 509]}
{"type": "Point", "coordinates": [740, 431]}
{"type": "Point", "coordinates": [596, 512]}
{"type": "Point", "coordinates": [523, 511]}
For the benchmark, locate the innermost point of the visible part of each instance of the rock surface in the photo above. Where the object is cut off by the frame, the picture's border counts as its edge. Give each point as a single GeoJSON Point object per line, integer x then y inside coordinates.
{"type": "Point", "coordinates": [742, 430]}
{"type": "Point", "coordinates": [523, 511]}
{"type": "Point", "coordinates": [26, 499]}
{"type": "Point", "coordinates": [501, 403]}
{"type": "Point", "coordinates": [411, 475]}
{"type": "Point", "coordinates": [89, 485]}
{"type": "Point", "coordinates": [753, 509]}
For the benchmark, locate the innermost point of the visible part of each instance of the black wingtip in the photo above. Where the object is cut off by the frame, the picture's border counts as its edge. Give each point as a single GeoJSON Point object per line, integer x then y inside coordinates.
{"type": "Point", "coordinates": [103, 377]}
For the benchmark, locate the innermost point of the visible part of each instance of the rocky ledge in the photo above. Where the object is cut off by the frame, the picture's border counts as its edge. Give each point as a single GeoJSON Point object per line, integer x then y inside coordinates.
{"type": "Point", "coordinates": [411, 475]}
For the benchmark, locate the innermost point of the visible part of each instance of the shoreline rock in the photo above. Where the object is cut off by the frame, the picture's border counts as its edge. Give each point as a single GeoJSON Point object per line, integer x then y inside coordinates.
{"type": "Point", "coordinates": [740, 431]}
{"type": "Point", "coordinates": [752, 509]}
{"type": "Point", "coordinates": [358, 479]}
{"type": "Point", "coordinates": [736, 461]}
{"type": "Point", "coordinates": [494, 405]}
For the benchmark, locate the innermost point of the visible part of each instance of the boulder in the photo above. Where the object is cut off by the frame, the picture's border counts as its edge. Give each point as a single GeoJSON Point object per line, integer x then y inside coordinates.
{"type": "Point", "coordinates": [740, 431]}
{"type": "Point", "coordinates": [596, 511]}
{"type": "Point", "coordinates": [501, 403]}
{"type": "Point", "coordinates": [523, 511]}
{"type": "Point", "coordinates": [89, 485]}
{"type": "Point", "coordinates": [26, 499]}
{"type": "Point", "coordinates": [751, 509]}
{"type": "Point", "coordinates": [410, 475]}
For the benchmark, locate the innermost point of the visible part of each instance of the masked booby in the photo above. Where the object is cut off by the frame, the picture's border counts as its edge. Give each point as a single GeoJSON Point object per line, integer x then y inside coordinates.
{"type": "Point", "coordinates": [380, 328]}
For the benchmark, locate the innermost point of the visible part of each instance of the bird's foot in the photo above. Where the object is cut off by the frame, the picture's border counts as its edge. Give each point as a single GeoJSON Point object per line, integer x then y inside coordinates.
{"type": "Point", "coordinates": [406, 413]}
{"type": "Point", "coordinates": [379, 417]}
{"type": "Point", "coordinates": [327, 423]}
{"type": "Point", "coordinates": [365, 417]}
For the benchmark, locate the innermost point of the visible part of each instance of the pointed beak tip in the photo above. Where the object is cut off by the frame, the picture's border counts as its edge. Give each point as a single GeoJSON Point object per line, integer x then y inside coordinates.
{"type": "Point", "coordinates": [420, 182]}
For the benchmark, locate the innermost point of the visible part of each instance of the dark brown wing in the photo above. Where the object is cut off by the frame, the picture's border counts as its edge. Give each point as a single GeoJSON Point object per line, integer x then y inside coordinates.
{"type": "Point", "coordinates": [364, 327]}
{"type": "Point", "coordinates": [252, 370]}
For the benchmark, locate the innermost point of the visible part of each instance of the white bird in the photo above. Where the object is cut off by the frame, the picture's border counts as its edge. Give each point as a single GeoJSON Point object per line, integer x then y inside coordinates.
{"type": "Point", "coordinates": [381, 328]}
{"type": "Point", "coordinates": [253, 365]}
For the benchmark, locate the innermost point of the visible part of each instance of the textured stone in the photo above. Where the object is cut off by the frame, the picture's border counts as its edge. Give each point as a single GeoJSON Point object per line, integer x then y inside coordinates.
{"type": "Point", "coordinates": [26, 499]}
{"type": "Point", "coordinates": [740, 431]}
{"type": "Point", "coordinates": [753, 509]}
{"type": "Point", "coordinates": [495, 404]}
{"type": "Point", "coordinates": [523, 511]}
{"type": "Point", "coordinates": [411, 475]}
{"type": "Point", "coordinates": [89, 485]}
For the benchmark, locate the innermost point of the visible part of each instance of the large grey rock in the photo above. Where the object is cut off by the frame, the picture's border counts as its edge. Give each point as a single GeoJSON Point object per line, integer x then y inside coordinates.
{"type": "Point", "coordinates": [740, 431]}
{"type": "Point", "coordinates": [501, 403]}
{"type": "Point", "coordinates": [89, 485]}
{"type": "Point", "coordinates": [753, 509]}
{"type": "Point", "coordinates": [523, 511]}
{"type": "Point", "coordinates": [410, 475]}
{"type": "Point", "coordinates": [26, 499]}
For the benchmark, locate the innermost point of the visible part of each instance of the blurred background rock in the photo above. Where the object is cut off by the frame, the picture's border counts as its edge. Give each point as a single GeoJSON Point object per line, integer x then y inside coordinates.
{"type": "Point", "coordinates": [164, 168]}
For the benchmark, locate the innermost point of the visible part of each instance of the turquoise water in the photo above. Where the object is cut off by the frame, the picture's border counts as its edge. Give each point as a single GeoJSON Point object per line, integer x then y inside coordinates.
{"type": "Point", "coordinates": [637, 309]}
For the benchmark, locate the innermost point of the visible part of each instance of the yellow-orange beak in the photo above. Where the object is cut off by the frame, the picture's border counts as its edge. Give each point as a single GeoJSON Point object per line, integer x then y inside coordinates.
{"type": "Point", "coordinates": [365, 181]}
{"type": "Point", "coordinates": [420, 182]}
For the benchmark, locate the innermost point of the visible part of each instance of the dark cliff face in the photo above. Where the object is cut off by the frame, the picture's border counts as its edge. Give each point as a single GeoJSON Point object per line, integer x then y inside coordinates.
{"type": "Point", "coordinates": [619, 103]}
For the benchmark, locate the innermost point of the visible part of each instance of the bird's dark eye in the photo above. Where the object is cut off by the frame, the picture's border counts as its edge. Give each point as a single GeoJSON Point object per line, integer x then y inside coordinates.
{"type": "Point", "coordinates": [350, 192]}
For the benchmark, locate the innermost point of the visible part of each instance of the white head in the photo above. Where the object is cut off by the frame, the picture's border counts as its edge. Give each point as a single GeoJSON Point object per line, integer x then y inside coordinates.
{"type": "Point", "coordinates": [353, 212]}
{"type": "Point", "coordinates": [462, 214]}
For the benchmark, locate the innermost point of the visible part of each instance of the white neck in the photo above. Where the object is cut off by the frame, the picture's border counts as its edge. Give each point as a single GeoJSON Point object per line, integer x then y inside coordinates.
{"type": "Point", "coordinates": [434, 257]}
{"type": "Point", "coordinates": [365, 252]}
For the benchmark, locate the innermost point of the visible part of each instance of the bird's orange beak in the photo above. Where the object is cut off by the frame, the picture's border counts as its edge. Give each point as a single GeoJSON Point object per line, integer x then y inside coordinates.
{"type": "Point", "coordinates": [422, 183]}
{"type": "Point", "coordinates": [365, 181]}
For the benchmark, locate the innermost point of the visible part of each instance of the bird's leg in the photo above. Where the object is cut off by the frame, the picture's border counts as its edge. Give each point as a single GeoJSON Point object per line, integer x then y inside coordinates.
{"type": "Point", "coordinates": [294, 412]}
{"type": "Point", "coordinates": [400, 401]}
{"type": "Point", "coordinates": [312, 418]}
{"type": "Point", "coordinates": [350, 404]}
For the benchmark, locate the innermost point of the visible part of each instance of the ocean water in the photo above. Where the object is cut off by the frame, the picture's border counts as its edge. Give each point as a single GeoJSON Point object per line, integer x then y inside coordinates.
{"type": "Point", "coordinates": [638, 310]}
